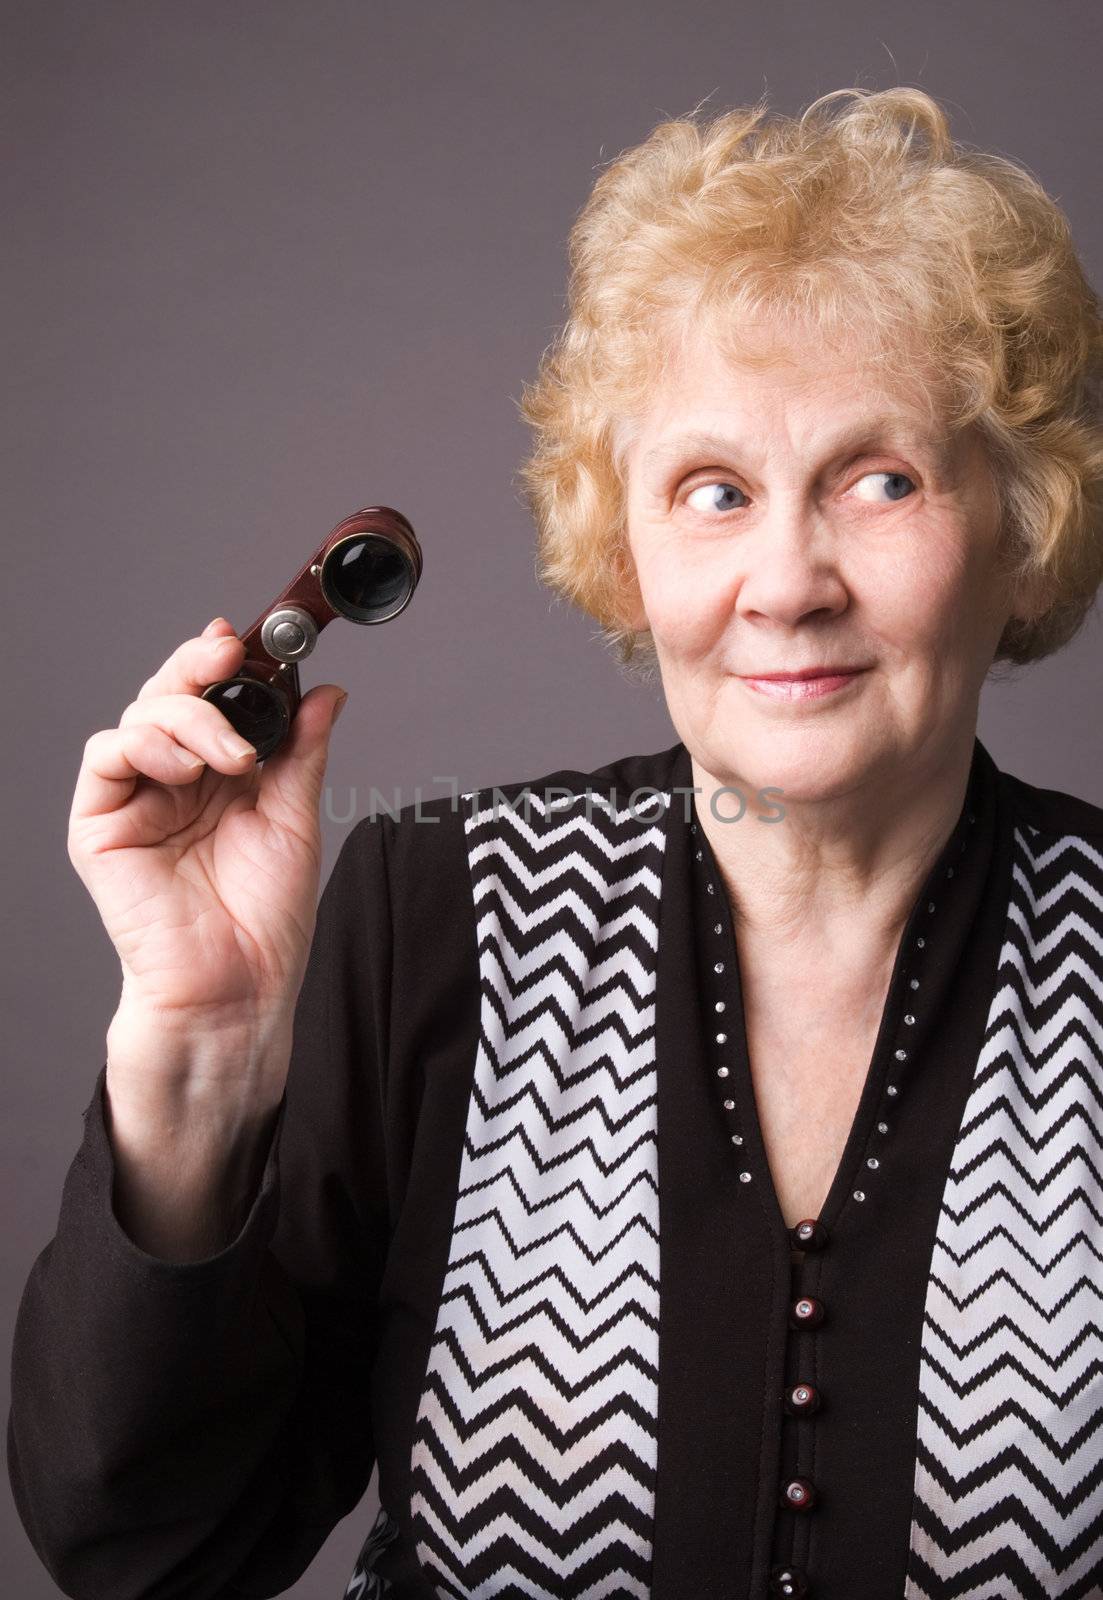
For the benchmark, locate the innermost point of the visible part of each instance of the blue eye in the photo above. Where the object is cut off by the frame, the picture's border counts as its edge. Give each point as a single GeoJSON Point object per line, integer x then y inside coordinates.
{"type": "Point", "coordinates": [721, 496]}
{"type": "Point", "coordinates": [726, 490]}
{"type": "Point", "coordinates": [893, 484]}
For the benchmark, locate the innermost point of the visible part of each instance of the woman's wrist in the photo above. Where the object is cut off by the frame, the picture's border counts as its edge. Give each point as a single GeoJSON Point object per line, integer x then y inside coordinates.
{"type": "Point", "coordinates": [189, 1112]}
{"type": "Point", "coordinates": [186, 1168]}
{"type": "Point", "coordinates": [169, 1064]}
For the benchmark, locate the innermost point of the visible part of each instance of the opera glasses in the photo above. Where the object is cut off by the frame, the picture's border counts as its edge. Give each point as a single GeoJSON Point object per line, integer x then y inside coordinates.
{"type": "Point", "coordinates": [366, 570]}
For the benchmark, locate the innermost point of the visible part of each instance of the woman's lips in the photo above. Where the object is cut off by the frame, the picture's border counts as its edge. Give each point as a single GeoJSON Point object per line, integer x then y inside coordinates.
{"type": "Point", "coordinates": [803, 688]}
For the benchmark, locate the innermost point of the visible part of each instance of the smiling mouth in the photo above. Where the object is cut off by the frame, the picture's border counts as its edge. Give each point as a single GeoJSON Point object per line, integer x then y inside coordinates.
{"type": "Point", "coordinates": [810, 684]}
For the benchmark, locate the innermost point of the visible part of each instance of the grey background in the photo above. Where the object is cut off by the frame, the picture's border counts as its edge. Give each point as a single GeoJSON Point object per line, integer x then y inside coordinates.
{"type": "Point", "coordinates": [264, 263]}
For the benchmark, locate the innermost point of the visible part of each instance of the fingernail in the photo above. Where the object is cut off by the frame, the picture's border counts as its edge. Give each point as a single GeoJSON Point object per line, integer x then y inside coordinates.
{"type": "Point", "coordinates": [234, 746]}
{"type": "Point", "coordinates": [211, 626]}
{"type": "Point", "coordinates": [338, 708]}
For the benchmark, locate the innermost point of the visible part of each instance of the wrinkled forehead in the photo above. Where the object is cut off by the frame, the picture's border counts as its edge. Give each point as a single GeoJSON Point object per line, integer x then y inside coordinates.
{"type": "Point", "coordinates": [700, 365]}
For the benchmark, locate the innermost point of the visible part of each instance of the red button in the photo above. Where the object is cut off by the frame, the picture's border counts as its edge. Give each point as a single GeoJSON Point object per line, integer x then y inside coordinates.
{"type": "Point", "coordinates": [799, 1494]}
{"type": "Point", "coordinates": [806, 1312]}
{"type": "Point", "coordinates": [789, 1581]}
{"type": "Point", "coordinates": [808, 1234]}
{"type": "Point", "coordinates": [802, 1399]}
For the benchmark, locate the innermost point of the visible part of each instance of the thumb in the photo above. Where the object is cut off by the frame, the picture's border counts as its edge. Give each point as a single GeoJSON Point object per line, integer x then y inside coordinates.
{"type": "Point", "coordinates": [291, 779]}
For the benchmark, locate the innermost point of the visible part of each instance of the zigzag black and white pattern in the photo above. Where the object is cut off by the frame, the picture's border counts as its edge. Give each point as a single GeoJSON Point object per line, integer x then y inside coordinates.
{"type": "Point", "coordinates": [1009, 1463]}
{"type": "Point", "coordinates": [534, 1454]}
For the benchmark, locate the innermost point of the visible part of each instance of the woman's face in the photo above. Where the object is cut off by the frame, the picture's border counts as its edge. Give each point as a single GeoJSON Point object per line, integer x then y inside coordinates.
{"type": "Point", "coordinates": [825, 522]}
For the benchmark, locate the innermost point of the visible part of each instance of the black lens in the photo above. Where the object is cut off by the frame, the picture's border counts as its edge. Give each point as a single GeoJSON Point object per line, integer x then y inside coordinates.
{"type": "Point", "coordinates": [367, 578]}
{"type": "Point", "coordinates": [255, 710]}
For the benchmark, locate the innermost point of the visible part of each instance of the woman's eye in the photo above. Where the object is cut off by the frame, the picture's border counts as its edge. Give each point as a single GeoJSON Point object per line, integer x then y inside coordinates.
{"type": "Point", "coordinates": [721, 496]}
{"type": "Point", "coordinates": [714, 497]}
{"type": "Point", "coordinates": [897, 485]}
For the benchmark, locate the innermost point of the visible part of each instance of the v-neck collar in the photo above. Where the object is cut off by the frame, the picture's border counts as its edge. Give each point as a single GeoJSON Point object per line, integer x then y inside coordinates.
{"type": "Point", "coordinates": [928, 955]}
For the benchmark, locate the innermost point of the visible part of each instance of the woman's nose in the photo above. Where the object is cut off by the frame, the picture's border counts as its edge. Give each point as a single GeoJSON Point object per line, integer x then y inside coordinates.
{"type": "Point", "coordinates": [789, 567]}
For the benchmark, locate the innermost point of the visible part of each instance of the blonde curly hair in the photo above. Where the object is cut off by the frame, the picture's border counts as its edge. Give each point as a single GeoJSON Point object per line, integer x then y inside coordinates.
{"type": "Point", "coordinates": [863, 215]}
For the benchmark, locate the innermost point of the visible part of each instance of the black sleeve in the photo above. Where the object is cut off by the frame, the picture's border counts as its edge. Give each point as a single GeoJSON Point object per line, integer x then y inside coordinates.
{"type": "Point", "coordinates": [197, 1429]}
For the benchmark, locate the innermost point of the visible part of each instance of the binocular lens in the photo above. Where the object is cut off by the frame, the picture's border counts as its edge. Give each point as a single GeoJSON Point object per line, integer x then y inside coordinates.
{"type": "Point", "coordinates": [255, 710]}
{"type": "Point", "coordinates": [367, 578]}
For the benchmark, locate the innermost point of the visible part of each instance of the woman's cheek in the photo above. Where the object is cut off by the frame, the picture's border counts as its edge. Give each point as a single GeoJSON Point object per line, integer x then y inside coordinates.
{"type": "Point", "coordinates": [683, 599]}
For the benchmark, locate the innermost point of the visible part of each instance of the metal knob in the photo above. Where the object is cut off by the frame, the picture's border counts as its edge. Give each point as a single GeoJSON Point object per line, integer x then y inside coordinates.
{"type": "Point", "coordinates": [289, 634]}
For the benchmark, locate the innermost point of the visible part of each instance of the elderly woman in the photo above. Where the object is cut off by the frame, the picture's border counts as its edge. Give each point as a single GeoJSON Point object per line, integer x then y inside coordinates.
{"type": "Point", "coordinates": [682, 1178]}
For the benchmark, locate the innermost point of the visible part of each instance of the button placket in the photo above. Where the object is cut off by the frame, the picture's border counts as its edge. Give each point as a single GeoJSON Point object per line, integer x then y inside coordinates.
{"type": "Point", "coordinates": [801, 1399]}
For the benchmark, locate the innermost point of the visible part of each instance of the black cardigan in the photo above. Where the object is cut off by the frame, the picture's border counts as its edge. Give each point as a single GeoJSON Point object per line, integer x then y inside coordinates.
{"type": "Point", "coordinates": [517, 1240]}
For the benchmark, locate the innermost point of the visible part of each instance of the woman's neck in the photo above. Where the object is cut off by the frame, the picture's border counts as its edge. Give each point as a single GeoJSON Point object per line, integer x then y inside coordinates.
{"type": "Point", "coordinates": [835, 875]}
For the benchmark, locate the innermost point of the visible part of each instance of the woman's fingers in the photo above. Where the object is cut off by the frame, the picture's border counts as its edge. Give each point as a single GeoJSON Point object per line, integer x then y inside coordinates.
{"type": "Point", "coordinates": [154, 738]}
{"type": "Point", "coordinates": [290, 791]}
{"type": "Point", "coordinates": [115, 757]}
{"type": "Point", "coordinates": [196, 723]}
{"type": "Point", "coordinates": [197, 662]}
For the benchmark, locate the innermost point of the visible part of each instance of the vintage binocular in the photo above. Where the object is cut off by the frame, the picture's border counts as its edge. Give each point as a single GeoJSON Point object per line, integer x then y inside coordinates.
{"type": "Point", "coordinates": [365, 570]}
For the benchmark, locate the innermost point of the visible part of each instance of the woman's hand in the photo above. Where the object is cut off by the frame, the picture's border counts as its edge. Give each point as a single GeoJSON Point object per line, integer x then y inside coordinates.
{"type": "Point", "coordinates": [204, 867]}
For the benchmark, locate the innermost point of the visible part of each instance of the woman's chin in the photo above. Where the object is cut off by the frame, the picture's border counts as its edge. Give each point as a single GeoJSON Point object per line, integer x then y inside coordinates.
{"type": "Point", "coordinates": [804, 763]}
